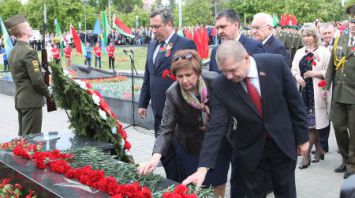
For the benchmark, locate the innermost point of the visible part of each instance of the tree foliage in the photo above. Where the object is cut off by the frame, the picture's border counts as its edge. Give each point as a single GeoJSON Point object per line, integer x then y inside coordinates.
{"type": "Point", "coordinates": [305, 11]}
{"type": "Point", "coordinates": [195, 12]}
{"type": "Point", "coordinates": [10, 8]}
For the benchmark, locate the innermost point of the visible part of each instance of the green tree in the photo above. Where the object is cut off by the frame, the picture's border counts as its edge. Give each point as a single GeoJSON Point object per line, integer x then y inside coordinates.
{"type": "Point", "coordinates": [195, 12]}
{"type": "Point", "coordinates": [65, 11]}
{"type": "Point", "coordinates": [10, 8]}
{"type": "Point", "coordinates": [130, 18]}
{"type": "Point", "coordinates": [304, 10]}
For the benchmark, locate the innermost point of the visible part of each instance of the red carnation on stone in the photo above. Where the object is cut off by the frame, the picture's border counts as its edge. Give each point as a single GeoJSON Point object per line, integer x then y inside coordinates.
{"type": "Point", "coordinates": [181, 189]}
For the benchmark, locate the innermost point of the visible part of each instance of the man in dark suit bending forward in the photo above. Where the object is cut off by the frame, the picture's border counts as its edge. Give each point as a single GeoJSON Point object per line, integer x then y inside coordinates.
{"type": "Point", "coordinates": [260, 93]}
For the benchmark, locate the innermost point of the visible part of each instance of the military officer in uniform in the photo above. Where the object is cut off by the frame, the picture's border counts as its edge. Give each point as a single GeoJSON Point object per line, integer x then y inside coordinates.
{"type": "Point", "coordinates": [26, 73]}
{"type": "Point", "coordinates": [341, 72]}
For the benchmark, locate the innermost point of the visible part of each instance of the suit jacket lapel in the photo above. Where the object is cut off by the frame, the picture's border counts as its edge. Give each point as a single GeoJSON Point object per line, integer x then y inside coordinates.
{"type": "Point", "coordinates": [269, 41]}
{"type": "Point", "coordinates": [264, 87]}
{"type": "Point", "coordinates": [160, 59]}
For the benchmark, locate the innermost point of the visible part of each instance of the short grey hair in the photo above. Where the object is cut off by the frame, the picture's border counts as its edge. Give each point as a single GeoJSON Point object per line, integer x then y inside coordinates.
{"type": "Point", "coordinates": [230, 48]}
{"type": "Point", "coordinates": [311, 29]}
{"type": "Point", "coordinates": [266, 17]}
{"type": "Point", "coordinates": [165, 15]}
{"type": "Point", "coordinates": [325, 26]}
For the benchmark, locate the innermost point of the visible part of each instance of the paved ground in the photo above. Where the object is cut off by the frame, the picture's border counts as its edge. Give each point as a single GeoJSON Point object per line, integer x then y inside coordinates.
{"type": "Point", "coordinates": [317, 181]}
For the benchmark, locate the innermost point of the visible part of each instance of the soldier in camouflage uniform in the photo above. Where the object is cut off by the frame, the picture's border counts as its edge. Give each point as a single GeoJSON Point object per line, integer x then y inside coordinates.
{"type": "Point", "coordinates": [341, 72]}
{"type": "Point", "coordinates": [26, 73]}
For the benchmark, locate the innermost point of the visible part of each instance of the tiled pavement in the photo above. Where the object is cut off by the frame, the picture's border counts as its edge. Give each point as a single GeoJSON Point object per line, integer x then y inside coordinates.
{"type": "Point", "coordinates": [317, 181]}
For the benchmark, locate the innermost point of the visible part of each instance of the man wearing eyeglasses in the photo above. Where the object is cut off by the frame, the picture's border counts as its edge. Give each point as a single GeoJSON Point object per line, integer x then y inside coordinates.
{"type": "Point", "coordinates": [159, 55]}
{"type": "Point", "coordinates": [227, 25]}
{"type": "Point", "coordinates": [262, 30]}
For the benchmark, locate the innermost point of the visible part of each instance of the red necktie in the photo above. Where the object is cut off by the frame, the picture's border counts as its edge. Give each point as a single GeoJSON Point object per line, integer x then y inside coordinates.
{"type": "Point", "coordinates": [254, 95]}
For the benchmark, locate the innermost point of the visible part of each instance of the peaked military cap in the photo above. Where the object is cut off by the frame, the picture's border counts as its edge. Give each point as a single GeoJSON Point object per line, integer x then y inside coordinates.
{"type": "Point", "coordinates": [14, 20]}
{"type": "Point", "coordinates": [351, 11]}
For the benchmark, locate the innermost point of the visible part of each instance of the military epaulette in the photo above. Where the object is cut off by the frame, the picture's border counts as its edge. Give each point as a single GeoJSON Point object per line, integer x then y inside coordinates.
{"type": "Point", "coordinates": [338, 61]}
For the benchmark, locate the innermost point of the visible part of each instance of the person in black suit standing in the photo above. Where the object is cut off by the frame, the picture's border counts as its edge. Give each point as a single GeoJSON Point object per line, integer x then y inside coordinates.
{"type": "Point", "coordinates": [260, 93]}
{"type": "Point", "coordinates": [262, 30]}
{"type": "Point", "coordinates": [227, 24]}
{"type": "Point", "coordinates": [159, 55]}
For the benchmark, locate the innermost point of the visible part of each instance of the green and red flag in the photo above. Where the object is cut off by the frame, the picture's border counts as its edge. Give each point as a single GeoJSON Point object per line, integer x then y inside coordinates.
{"type": "Point", "coordinates": [121, 27]}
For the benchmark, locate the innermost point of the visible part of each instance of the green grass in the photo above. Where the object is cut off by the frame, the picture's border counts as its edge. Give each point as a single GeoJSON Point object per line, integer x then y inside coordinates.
{"type": "Point", "coordinates": [123, 60]}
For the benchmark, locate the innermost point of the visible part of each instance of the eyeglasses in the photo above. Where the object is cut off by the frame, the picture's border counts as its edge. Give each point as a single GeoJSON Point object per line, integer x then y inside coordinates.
{"type": "Point", "coordinates": [184, 57]}
{"type": "Point", "coordinates": [155, 26]}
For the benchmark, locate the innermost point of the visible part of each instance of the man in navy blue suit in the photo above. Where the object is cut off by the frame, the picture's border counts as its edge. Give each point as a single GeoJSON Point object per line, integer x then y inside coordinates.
{"type": "Point", "coordinates": [227, 24]}
{"type": "Point", "coordinates": [159, 55]}
{"type": "Point", "coordinates": [260, 93]}
{"type": "Point", "coordinates": [262, 29]}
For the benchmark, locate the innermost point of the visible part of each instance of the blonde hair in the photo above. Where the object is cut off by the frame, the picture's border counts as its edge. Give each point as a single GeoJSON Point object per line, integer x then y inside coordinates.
{"type": "Point", "coordinates": [194, 62]}
{"type": "Point", "coordinates": [311, 29]}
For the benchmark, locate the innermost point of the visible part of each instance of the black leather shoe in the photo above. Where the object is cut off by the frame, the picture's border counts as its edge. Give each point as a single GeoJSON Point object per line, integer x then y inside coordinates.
{"type": "Point", "coordinates": [340, 169]}
{"type": "Point", "coordinates": [303, 166]}
{"type": "Point", "coordinates": [347, 173]}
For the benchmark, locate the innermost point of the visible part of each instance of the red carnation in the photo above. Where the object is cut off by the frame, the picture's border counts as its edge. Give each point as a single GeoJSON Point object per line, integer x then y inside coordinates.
{"type": "Point", "coordinates": [88, 86]}
{"type": "Point", "coordinates": [308, 58]}
{"type": "Point", "coordinates": [322, 84]}
{"type": "Point", "coordinates": [127, 145]}
{"type": "Point", "coordinates": [173, 77]}
{"type": "Point", "coordinates": [181, 189]}
{"type": "Point", "coordinates": [18, 186]}
{"type": "Point", "coordinates": [70, 173]}
{"type": "Point", "coordinates": [314, 63]}
{"type": "Point", "coordinates": [165, 73]}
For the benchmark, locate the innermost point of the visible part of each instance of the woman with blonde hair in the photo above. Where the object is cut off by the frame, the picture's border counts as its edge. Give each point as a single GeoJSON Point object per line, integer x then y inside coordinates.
{"type": "Point", "coordinates": [308, 67]}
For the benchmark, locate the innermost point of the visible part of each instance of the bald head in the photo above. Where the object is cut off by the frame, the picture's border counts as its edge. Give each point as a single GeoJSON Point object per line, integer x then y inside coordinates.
{"type": "Point", "coordinates": [233, 60]}
{"type": "Point", "coordinates": [230, 48]}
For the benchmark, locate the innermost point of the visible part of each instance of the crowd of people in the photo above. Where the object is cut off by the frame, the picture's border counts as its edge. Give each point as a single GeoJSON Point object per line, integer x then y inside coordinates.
{"type": "Point", "coordinates": [257, 108]}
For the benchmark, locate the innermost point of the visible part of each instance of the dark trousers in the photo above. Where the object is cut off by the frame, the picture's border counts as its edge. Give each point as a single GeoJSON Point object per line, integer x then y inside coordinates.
{"type": "Point", "coordinates": [169, 160]}
{"type": "Point", "coordinates": [111, 62]}
{"type": "Point", "coordinates": [275, 163]}
{"type": "Point", "coordinates": [30, 121]}
{"type": "Point", "coordinates": [324, 136]}
{"type": "Point", "coordinates": [88, 61]}
{"type": "Point", "coordinates": [343, 117]}
{"type": "Point", "coordinates": [237, 189]}
{"type": "Point", "coordinates": [6, 65]}
{"type": "Point", "coordinates": [97, 60]}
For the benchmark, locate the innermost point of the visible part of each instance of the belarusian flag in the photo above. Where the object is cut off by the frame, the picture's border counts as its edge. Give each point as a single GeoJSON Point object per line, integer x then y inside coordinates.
{"type": "Point", "coordinates": [121, 27]}
{"type": "Point", "coordinates": [106, 27]}
{"type": "Point", "coordinates": [79, 46]}
{"type": "Point", "coordinates": [59, 35]}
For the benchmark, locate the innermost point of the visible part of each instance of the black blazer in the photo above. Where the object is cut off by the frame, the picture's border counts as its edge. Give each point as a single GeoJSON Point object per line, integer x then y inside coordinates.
{"type": "Point", "coordinates": [181, 121]}
{"type": "Point", "coordinates": [284, 115]}
{"type": "Point", "coordinates": [154, 86]}
{"type": "Point", "coordinates": [252, 47]}
{"type": "Point", "coordinates": [274, 46]}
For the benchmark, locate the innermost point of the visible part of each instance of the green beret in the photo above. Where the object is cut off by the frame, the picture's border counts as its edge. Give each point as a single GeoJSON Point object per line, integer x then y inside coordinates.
{"type": "Point", "coordinates": [14, 20]}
